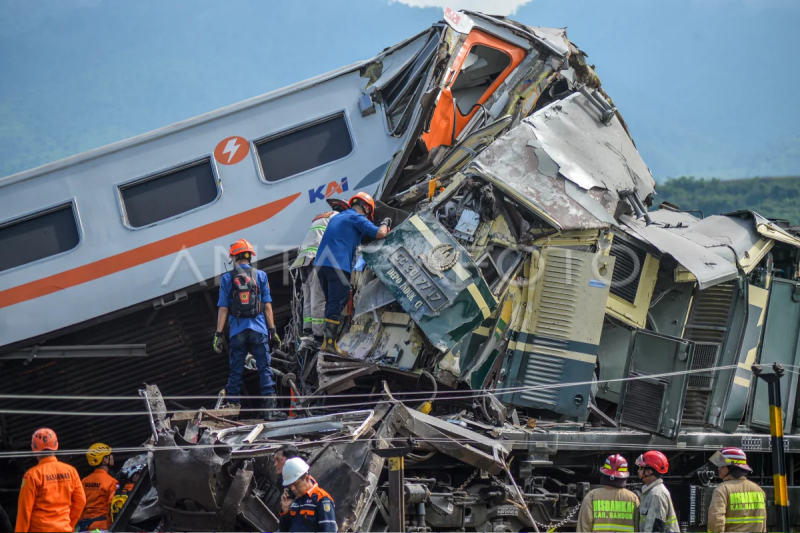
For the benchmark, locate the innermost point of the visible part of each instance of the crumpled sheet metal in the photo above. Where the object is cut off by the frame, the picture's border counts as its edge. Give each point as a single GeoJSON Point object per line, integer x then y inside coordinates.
{"type": "Point", "coordinates": [767, 228]}
{"type": "Point", "coordinates": [707, 266]}
{"type": "Point", "coordinates": [521, 162]}
{"type": "Point", "coordinates": [389, 63]}
{"type": "Point", "coordinates": [589, 153]}
{"type": "Point", "coordinates": [556, 38]}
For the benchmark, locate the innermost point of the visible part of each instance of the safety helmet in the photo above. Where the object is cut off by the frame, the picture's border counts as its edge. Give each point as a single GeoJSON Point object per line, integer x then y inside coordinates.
{"type": "Point", "coordinates": [655, 460]}
{"type": "Point", "coordinates": [337, 204]}
{"type": "Point", "coordinates": [730, 457]}
{"type": "Point", "coordinates": [44, 439]}
{"type": "Point", "coordinates": [616, 466]}
{"type": "Point", "coordinates": [365, 200]}
{"type": "Point", "coordinates": [240, 247]}
{"type": "Point", "coordinates": [294, 469]}
{"type": "Point", "coordinates": [96, 452]}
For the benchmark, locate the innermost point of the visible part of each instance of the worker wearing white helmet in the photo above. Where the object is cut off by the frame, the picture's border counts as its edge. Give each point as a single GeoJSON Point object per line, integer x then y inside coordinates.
{"type": "Point", "coordinates": [312, 508]}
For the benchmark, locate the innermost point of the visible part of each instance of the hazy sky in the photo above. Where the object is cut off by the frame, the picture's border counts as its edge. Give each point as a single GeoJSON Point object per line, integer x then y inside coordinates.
{"type": "Point", "coordinates": [707, 86]}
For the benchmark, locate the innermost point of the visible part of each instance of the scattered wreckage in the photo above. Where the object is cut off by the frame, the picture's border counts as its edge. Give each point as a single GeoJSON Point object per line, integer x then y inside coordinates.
{"type": "Point", "coordinates": [527, 315]}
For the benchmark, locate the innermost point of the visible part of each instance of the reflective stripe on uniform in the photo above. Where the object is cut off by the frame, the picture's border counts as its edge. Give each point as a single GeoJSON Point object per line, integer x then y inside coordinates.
{"type": "Point", "coordinates": [611, 527]}
{"type": "Point", "coordinates": [744, 519]}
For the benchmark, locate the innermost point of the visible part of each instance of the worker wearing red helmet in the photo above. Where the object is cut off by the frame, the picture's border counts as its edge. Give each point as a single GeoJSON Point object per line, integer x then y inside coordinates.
{"type": "Point", "coordinates": [246, 305]}
{"type": "Point", "coordinates": [656, 512]}
{"type": "Point", "coordinates": [611, 507]}
{"type": "Point", "coordinates": [737, 504]}
{"type": "Point", "coordinates": [335, 257]}
{"type": "Point", "coordinates": [51, 497]}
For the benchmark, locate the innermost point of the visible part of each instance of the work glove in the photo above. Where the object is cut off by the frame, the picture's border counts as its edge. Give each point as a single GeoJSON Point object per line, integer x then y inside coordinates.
{"type": "Point", "coordinates": [386, 222]}
{"type": "Point", "coordinates": [218, 342]}
{"type": "Point", "coordinates": [274, 340]}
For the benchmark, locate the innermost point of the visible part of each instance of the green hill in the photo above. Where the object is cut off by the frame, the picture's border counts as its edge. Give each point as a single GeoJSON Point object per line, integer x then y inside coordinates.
{"type": "Point", "coordinates": [770, 197]}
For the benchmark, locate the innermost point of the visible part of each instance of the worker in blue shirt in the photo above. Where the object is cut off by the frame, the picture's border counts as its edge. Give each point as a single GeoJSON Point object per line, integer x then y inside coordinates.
{"type": "Point", "coordinates": [335, 256]}
{"type": "Point", "coordinates": [312, 508]}
{"type": "Point", "coordinates": [245, 303]}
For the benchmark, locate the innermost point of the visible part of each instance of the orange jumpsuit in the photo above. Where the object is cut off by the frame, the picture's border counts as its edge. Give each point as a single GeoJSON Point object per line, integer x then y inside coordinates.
{"type": "Point", "coordinates": [100, 488]}
{"type": "Point", "coordinates": [51, 497]}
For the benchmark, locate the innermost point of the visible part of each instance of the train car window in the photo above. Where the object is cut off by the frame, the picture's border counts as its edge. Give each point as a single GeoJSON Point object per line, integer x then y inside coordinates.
{"type": "Point", "coordinates": [38, 236]}
{"type": "Point", "coordinates": [481, 67]}
{"type": "Point", "coordinates": [160, 197]}
{"type": "Point", "coordinates": [305, 148]}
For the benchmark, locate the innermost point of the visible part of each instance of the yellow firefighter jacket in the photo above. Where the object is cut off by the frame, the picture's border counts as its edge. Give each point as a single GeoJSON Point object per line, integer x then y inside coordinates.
{"type": "Point", "coordinates": [609, 509]}
{"type": "Point", "coordinates": [737, 505]}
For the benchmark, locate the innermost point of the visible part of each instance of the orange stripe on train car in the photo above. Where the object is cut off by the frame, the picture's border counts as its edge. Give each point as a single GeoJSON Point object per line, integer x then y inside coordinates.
{"type": "Point", "coordinates": [143, 254]}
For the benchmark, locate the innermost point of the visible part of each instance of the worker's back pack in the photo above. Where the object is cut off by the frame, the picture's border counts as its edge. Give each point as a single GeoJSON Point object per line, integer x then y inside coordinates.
{"type": "Point", "coordinates": [245, 301]}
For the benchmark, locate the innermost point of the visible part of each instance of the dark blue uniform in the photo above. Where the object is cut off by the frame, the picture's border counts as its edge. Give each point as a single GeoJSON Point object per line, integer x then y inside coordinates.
{"type": "Point", "coordinates": [335, 256]}
{"type": "Point", "coordinates": [313, 511]}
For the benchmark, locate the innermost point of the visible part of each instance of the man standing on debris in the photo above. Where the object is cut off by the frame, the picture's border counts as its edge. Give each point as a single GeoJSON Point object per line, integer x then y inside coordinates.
{"type": "Point", "coordinates": [737, 504]}
{"type": "Point", "coordinates": [245, 302]}
{"type": "Point", "coordinates": [611, 507]}
{"type": "Point", "coordinates": [51, 497]}
{"type": "Point", "coordinates": [335, 256]}
{"type": "Point", "coordinates": [313, 298]}
{"type": "Point", "coordinates": [100, 488]}
{"type": "Point", "coordinates": [312, 509]}
{"type": "Point", "coordinates": [656, 512]}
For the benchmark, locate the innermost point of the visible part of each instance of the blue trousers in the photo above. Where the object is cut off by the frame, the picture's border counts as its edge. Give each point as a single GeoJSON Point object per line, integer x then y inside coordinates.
{"type": "Point", "coordinates": [335, 285]}
{"type": "Point", "coordinates": [249, 341]}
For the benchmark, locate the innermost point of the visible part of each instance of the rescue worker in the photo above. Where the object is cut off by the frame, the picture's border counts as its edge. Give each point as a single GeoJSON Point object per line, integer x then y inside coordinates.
{"type": "Point", "coordinates": [100, 488]}
{"type": "Point", "coordinates": [656, 512]}
{"type": "Point", "coordinates": [335, 256]}
{"type": "Point", "coordinates": [51, 497]}
{"type": "Point", "coordinates": [285, 452]}
{"type": "Point", "coordinates": [611, 507]}
{"type": "Point", "coordinates": [313, 298]}
{"type": "Point", "coordinates": [245, 303]}
{"type": "Point", "coordinates": [312, 508]}
{"type": "Point", "coordinates": [737, 504]}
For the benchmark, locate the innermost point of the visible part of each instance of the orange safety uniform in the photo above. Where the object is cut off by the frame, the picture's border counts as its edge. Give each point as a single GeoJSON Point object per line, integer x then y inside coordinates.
{"type": "Point", "coordinates": [100, 488]}
{"type": "Point", "coordinates": [51, 497]}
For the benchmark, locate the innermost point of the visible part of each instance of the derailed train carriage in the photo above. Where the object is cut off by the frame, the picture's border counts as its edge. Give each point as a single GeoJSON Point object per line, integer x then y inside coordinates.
{"type": "Point", "coordinates": [527, 315]}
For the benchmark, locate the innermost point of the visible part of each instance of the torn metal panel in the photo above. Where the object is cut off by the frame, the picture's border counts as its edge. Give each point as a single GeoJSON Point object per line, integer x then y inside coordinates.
{"type": "Point", "coordinates": [525, 170]}
{"type": "Point", "coordinates": [708, 267]}
{"type": "Point", "coordinates": [556, 38]}
{"type": "Point", "coordinates": [767, 228]}
{"type": "Point", "coordinates": [433, 279]}
{"type": "Point", "coordinates": [589, 155]}
{"type": "Point", "coordinates": [388, 64]}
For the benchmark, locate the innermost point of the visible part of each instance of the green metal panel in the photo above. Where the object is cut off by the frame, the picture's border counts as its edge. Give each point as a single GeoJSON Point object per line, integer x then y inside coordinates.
{"type": "Point", "coordinates": [779, 345]}
{"type": "Point", "coordinates": [446, 308]}
{"type": "Point", "coordinates": [654, 402]}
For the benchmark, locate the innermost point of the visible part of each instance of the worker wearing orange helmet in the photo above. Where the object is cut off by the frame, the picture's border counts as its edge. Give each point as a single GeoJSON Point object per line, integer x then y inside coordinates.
{"type": "Point", "coordinates": [656, 512]}
{"type": "Point", "coordinates": [246, 305]}
{"type": "Point", "coordinates": [51, 497]}
{"type": "Point", "coordinates": [100, 488]}
{"type": "Point", "coordinates": [335, 257]}
{"type": "Point", "coordinates": [611, 507]}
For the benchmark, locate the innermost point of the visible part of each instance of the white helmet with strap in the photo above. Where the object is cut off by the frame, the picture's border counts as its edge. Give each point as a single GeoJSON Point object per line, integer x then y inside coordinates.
{"type": "Point", "coordinates": [294, 469]}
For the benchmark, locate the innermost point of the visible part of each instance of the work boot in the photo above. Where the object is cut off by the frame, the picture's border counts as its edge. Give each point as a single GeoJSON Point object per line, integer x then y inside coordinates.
{"type": "Point", "coordinates": [270, 404]}
{"type": "Point", "coordinates": [329, 345]}
{"type": "Point", "coordinates": [233, 408]}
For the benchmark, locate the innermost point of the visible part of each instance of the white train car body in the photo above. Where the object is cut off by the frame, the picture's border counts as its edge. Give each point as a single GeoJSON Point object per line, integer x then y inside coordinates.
{"type": "Point", "coordinates": [147, 217]}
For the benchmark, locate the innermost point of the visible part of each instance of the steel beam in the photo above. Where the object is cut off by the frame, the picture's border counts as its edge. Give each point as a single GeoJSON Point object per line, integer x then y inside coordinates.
{"type": "Point", "coordinates": [72, 352]}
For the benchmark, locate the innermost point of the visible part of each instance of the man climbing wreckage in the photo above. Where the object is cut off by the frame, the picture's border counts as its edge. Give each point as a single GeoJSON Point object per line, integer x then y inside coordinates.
{"type": "Point", "coordinates": [526, 318]}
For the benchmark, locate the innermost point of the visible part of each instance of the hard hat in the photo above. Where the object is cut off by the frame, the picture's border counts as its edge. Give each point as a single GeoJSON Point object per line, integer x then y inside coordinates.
{"type": "Point", "coordinates": [337, 204]}
{"type": "Point", "coordinates": [96, 452]}
{"type": "Point", "coordinates": [293, 469]}
{"type": "Point", "coordinates": [44, 439]}
{"type": "Point", "coordinates": [241, 246]}
{"type": "Point", "coordinates": [655, 460]}
{"type": "Point", "coordinates": [730, 457]}
{"type": "Point", "coordinates": [616, 466]}
{"type": "Point", "coordinates": [366, 200]}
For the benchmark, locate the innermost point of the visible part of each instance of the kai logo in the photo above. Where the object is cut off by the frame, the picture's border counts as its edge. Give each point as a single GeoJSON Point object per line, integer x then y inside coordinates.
{"type": "Point", "coordinates": [333, 187]}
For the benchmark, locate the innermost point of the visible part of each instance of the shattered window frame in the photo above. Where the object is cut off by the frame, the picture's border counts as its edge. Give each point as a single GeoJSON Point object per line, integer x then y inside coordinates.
{"type": "Point", "coordinates": [20, 260]}
{"type": "Point", "coordinates": [256, 144]}
{"type": "Point", "coordinates": [461, 71]}
{"type": "Point", "coordinates": [411, 76]}
{"type": "Point", "coordinates": [125, 206]}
